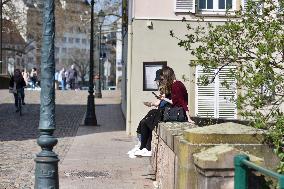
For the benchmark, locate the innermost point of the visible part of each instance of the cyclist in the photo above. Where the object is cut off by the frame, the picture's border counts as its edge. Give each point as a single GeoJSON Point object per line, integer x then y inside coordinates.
{"type": "Point", "coordinates": [17, 84]}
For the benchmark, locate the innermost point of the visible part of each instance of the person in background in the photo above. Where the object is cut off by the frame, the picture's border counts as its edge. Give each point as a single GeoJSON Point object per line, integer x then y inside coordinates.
{"type": "Point", "coordinates": [56, 80]}
{"type": "Point", "coordinates": [66, 73]}
{"type": "Point", "coordinates": [72, 75]}
{"type": "Point", "coordinates": [62, 78]}
{"type": "Point", "coordinates": [33, 76]}
{"type": "Point", "coordinates": [25, 75]}
{"type": "Point", "coordinates": [16, 85]}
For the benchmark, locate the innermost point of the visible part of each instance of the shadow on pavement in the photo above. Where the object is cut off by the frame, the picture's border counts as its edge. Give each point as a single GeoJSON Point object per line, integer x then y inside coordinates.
{"type": "Point", "coordinates": [68, 119]}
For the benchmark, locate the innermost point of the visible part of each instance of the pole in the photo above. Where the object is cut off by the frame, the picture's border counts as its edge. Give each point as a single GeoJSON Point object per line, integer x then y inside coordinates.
{"type": "Point", "coordinates": [1, 42]}
{"type": "Point", "coordinates": [241, 174]}
{"type": "Point", "coordinates": [46, 171]}
{"type": "Point", "coordinates": [281, 182]}
{"type": "Point", "coordinates": [90, 116]}
{"type": "Point", "coordinates": [99, 92]}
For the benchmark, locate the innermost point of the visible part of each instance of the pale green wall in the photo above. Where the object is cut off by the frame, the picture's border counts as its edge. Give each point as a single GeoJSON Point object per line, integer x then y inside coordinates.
{"type": "Point", "coordinates": [150, 45]}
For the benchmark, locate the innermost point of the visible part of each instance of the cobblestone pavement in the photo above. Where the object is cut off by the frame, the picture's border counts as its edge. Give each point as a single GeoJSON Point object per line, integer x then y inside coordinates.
{"type": "Point", "coordinates": [18, 134]}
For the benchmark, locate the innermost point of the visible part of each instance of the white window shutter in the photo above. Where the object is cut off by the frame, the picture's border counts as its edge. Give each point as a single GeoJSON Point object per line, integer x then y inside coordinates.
{"type": "Point", "coordinates": [205, 103]}
{"type": "Point", "coordinates": [227, 106]}
{"type": "Point", "coordinates": [185, 6]}
{"type": "Point", "coordinates": [244, 4]}
{"type": "Point", "coordinates": [215, 100]}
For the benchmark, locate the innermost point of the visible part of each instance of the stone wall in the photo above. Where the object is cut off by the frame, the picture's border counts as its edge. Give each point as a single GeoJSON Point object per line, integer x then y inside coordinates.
{"type": "Point", "coordinates": [179, 148]}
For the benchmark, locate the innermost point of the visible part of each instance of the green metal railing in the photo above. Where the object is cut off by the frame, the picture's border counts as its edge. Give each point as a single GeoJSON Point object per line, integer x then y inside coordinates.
{"type": "Point", "coordinates": [242, 165]}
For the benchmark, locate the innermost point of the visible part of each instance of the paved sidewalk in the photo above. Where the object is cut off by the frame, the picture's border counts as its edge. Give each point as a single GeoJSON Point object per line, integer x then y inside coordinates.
{"type": "Point", "coordinates": [97, 159]}
{"type": "Point", "coordinates": [90, 157]}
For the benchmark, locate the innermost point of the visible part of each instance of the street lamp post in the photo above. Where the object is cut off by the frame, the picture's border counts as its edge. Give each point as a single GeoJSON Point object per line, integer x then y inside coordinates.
{"type": "Point", "coordinates": [46, 171]}
{"type": "Point", "coordinates": [101, 17]}
{"type": "Point", "coordinates": [1, 42]}
{"type": "Point", "coordinates": [90, 116]}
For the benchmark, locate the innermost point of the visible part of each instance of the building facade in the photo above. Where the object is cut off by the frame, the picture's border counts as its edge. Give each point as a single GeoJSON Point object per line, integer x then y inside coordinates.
{"type": "Point", "coordinates": [149, 46]}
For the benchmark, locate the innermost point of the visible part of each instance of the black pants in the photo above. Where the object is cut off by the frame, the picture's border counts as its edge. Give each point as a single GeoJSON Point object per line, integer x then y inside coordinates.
{"type": "Point", "coordinates": [72, 84]}
{"type": "Point", "coordinates": [146, 135]}
{"type": "Point", "coordinates": [20, 92]}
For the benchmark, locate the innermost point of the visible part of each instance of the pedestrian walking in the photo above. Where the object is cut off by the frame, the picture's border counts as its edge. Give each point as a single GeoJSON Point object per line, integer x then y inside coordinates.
{"type": "Point", "coordinates": [56, 75]}
{"type": "Point", "coordinates": [33, 76]}
{"type": "Point", "coordinates": [16, 86]}
{"type": "Point", "coordinates": [62, 78]}
{"type": "Point", "coordinates": [72, 77]}
{"type": "Point", "coordinates": [25, 75]}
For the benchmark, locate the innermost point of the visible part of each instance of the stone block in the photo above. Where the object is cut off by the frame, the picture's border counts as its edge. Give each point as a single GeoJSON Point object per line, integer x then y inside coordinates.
{"type": "Point", "coordinates": [187, 177]}
{"type": "Point", "coordinates": [224, 133]}
{"type": "Point", "coordinates": [167, 131]}
{"type": "Point", "coordinates": [215, 167]}
{"type": "Point", "coordinates": [165, 175]}
{"type": "Point", "coordinates": [220, 157]}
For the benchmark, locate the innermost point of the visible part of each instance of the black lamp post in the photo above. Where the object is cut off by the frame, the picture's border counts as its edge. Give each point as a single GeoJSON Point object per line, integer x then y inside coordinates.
{"type": "Point", "coordinates": [46, 171]}
{"type": "Point", "coordinates": [101, 17]}
{"type": "Point", "coordinates": [1, 42]}
{"type": "Point", "coordinates": [90, 116]}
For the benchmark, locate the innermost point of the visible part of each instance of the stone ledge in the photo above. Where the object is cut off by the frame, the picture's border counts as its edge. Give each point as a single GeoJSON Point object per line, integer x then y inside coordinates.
{"type": "Point", "coordinates": [167, 131]}
{"type": "Point", "coordinates": [225, 133]}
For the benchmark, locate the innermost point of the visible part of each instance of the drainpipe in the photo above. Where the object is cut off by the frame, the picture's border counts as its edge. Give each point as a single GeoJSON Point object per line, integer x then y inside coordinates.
{"type": "Point", "coordinates": [129, 78]}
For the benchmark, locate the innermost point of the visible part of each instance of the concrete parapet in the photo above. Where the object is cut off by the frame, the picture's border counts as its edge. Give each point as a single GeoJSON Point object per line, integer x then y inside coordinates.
{"type": "Point", "coordinates": [224, 133]}
{"type": "Point", "coordinates": [181, 141]}
{"type": "Point", "coordinates": [215, 166]}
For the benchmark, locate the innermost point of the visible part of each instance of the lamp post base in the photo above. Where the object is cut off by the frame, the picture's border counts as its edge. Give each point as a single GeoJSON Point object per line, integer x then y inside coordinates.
{"type": "Point", "coordinates": [46, 172]}
{"type": "Point", "coordinates": [90, 118]}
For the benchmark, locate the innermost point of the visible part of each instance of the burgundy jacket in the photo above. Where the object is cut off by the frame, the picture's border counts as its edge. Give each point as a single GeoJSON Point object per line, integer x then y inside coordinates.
{"type": "Point", "coordinates": [179, 95]}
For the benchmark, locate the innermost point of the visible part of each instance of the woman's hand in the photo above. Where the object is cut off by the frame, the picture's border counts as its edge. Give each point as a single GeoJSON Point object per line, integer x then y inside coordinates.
{"type": "Point", "coordinates": [188, 118]}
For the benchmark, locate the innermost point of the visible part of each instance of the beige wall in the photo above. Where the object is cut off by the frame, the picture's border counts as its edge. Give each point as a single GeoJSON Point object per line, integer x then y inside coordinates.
{"type": "Point", "coordinates": [150, 45]}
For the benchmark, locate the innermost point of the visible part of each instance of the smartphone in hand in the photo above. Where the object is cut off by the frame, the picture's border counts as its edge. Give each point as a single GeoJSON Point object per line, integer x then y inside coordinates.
{"type": "Point", "coordinates": [158, 97]}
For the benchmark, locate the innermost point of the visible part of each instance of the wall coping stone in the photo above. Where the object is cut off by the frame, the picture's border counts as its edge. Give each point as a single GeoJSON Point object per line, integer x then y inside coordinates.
{"type": "Point", "coordinates": [167, 131]}
{"type": "Point", "coordinates": [221, 157]}
{"type": "Point", "coordinates": [224, 133]}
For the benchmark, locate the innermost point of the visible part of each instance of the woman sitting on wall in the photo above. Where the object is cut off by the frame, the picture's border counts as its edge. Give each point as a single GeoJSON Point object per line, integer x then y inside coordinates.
{"type": "Point", "coordinates": [150, 121]}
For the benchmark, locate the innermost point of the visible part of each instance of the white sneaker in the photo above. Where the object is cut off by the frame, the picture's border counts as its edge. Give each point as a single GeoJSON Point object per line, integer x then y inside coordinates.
{"type": "Point", "coordinates": [136, 147]}
{"type": "Point", "coordinates": [132, 156]}
{"type": "Point", "coordinates": [147, 154]}
{"type": "Point", "coordinates": [144, 153]}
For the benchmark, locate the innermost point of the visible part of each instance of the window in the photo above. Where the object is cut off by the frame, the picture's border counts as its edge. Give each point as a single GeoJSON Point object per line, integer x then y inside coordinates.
{"type": "Point", "coordinates": [77, 40]}
{"type": "Point", "coordinates": [84, 41]}
{"type": "Point", "coordinates": [64, 50]}
{"type": "Point", "coordinates": [149, 74]}
{"type": "Point", "coordinates": [30, 60]}
{"type": "Point", "coordinates": [215, 100]}
{"type": "Point", "coordinates": [70, 40]}
{"type": "Point", "coordinates": [64, 39]}
{"type": "Point", "coordinates": [215, 4]}
{"type": "Point", "coordinates": [56, 50]}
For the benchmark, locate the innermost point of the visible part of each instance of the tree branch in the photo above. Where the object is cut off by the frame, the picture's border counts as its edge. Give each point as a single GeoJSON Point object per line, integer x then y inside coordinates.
{"type": "Point", "coordinates": [5, 2]}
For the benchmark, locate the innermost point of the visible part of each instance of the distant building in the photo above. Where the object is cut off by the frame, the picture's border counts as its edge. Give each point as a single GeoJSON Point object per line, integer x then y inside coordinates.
{"type": "Point", "coordinates": [118, 55]}
{"type": "Point", "coordinates": [69, 27]}
{"type": "Point", "coordinates": [13, 45]}
{"type": "Point", "coordinates": [74, 42]}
